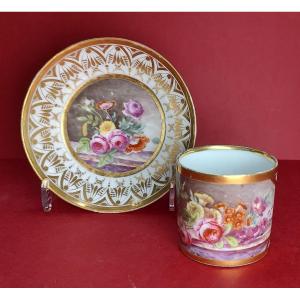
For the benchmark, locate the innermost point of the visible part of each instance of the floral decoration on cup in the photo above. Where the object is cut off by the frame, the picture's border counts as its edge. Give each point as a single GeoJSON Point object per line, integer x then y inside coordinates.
{"type": "Point", "coordinates": [207, 222]}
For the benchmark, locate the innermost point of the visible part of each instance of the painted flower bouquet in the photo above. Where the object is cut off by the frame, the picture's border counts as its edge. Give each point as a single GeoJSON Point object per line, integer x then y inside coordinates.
{"type": "Point", "coordinates": [205, 222]}
{"type": "Point", "coordinates": [107, 130]}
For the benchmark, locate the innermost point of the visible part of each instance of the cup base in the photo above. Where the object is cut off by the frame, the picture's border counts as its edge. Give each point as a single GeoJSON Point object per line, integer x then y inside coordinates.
{"type": "Point", "coordinates": [252, 258]}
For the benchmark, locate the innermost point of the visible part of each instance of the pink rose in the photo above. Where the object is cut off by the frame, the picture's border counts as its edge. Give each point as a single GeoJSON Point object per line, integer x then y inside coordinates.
{"type": "Point", "coordinates": [133, 109]}
{"type": "Point", "coordinates": [118, 140]}
{"type": "Point", "coordinates": [99, 144]}
{"type": "Point", "coordinates": [259, 206]}
{"type": "Point", "coordinates": [209, 230]}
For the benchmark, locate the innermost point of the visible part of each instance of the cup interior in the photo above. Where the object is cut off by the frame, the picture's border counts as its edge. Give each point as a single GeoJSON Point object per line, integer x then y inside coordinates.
{"type": "Point", "coordinates": [227, 161]}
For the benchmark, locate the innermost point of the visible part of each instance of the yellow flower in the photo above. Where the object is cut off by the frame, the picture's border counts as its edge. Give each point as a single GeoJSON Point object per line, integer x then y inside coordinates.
{"type": "Point", "coordinates": [194, 211]}
{"type": "Point", "coordinates": [106, 127]}
{"type": "Point", "coordinates": [204, 199]}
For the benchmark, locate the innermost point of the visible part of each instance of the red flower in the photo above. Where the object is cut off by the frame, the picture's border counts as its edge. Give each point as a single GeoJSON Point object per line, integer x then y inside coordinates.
{"type": "Point", "coordinates": [139, 144]}
{"type": "Point", "coordinates": [209, 230]}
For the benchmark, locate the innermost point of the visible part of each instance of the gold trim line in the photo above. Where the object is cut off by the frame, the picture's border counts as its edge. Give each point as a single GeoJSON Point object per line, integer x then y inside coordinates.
{"type": "Point", "coordinates": [225, 263]}
{"type": "Point", "coordinates": [228, 179]}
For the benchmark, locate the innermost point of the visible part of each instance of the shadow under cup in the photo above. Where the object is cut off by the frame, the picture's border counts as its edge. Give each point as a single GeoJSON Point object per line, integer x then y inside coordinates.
{"type": "Point", "coordinates": [225, 198]}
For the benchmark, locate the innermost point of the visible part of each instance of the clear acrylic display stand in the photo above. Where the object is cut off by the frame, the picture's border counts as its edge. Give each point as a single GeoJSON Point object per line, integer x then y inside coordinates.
{"type": "Point", "coordinates": [172, 189]}
{"type": "Point", "coordinates": [46, 196]}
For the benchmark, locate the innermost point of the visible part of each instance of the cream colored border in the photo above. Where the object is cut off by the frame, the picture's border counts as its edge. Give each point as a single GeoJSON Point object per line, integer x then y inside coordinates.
{"type": "Point", "coordinates": [32, 88]}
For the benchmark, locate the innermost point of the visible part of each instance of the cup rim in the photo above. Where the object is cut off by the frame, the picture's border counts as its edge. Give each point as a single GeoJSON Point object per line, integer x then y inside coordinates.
{"type": "Point", "coordinates": [228, 179]}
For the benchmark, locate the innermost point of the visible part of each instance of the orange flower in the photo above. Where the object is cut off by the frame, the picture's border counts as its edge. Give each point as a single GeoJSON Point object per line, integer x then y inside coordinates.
{"type": "Point", "coordinates": [229, 211]}
{"type": "Point", "coordinates": [105, 104]}
{"type": "Point", "coordinates": [228, 220]}
{"type": "Point", "coordinates": [235, 216]}
{"type": "Point", "coordinates": [241, 207]}
{"type": "Point", "coordinates": [140, 144]}
{"type": "Point", "coordinates": [239, 215]}
{"type": "Point", "coordinates": [220, 205]}
{"type": "Point", "coordinates": [238, 225]}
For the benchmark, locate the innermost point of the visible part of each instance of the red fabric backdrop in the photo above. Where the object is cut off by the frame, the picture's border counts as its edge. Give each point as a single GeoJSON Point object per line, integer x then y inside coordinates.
{"type": "Point", "coordinates": [243, 72]}
{"type": "Point", "coordinates": [242, 69]}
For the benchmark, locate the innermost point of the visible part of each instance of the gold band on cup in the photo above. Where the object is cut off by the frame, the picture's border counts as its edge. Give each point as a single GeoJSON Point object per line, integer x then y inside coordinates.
{"type": "Point", "coordinates": [225, 263]}
{"type": "Point", "coordinates": [228, 179]}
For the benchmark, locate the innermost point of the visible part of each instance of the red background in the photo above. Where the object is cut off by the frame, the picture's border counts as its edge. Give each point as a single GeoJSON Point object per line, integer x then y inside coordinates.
{"type": "Point", "coordinates": [242, 69]}
{"type": "Point", "coordinates": [71, 247]}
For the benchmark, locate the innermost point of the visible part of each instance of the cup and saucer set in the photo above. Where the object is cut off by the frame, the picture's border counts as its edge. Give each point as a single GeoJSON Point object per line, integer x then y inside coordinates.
{"type": "Point", "coordinates": [109, 126]}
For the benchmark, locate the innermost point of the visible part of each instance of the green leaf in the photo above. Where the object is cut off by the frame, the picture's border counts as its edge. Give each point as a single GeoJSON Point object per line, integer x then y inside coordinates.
{"type": "Point", "coordinates": [90, 117]}
{"type": "Point", "coordinates": [86, 108]}
{"type": "Point", "coordinates": [114, 116]}
{"type": "Point", "coordinates": [82, 119]}
{"type": "Point", "coordinates": [123, 124]}
{"type": "Point", "coordinates": [130, 127]}
{"type": "Point", "coordinates": [84, 145]}
{"type": "Point", "coordinates": [96, 121]}
{"type": "Point", "coordinates": [138, 127]}
{"type": "Point", "coordinates": [156, 140]}
{"type": "Point", "coordinates": [113, 151]}
{"type": "Point", "coordinates": [227, 228]}
{"type": "Point", "coordinates": [219, 244]}
{"type": "Point", "coordinates": [105, 160]}
{"type": "Point", "coordinates": [232, 241]}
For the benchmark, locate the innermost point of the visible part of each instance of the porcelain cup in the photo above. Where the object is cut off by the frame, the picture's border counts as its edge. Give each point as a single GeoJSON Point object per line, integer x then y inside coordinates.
{"type": "Point", "coordinates": [224, 199]}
